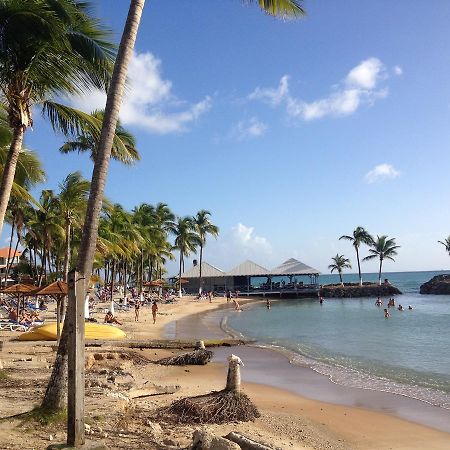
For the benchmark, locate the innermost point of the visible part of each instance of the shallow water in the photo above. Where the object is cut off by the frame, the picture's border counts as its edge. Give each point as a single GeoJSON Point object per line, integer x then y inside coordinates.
{"type": "Point", "coordinates": [350, 341]}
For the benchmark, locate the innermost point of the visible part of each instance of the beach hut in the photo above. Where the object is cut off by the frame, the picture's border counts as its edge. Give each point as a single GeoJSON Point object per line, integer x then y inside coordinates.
{"type": "Point", "coordinates": [58, 290]}
{"type": "Point", "coordinates": [243, 273]}
{"type": "Point", "coordinates": [293, 268]}
{"type": "Point", "coordinates": [212, 277]}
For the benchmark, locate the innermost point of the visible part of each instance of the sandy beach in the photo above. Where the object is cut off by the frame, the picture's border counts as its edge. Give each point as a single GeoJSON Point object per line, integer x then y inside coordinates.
{"type": "Point", "coordinates": [125, 392]}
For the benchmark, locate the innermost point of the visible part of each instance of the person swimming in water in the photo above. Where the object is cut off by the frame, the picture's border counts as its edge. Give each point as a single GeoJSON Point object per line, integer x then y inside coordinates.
{"type": "Point", "coordinates": [386, 313]}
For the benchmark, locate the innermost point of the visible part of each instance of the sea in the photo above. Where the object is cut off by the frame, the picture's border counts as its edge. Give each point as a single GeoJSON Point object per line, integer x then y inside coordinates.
{"type": "Point", "coordinates": [351, 342]}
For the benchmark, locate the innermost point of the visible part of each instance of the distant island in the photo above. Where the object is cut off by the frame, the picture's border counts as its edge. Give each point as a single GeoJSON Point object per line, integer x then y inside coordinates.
{"type": "Point", "coordinates": [438, 285]}
{"type": "Point", "coordinates": [350, 290]}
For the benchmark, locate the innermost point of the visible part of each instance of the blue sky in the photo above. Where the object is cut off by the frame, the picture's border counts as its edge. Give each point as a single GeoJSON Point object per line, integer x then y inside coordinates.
{"type": "Point", "coordinates": [291, 133]}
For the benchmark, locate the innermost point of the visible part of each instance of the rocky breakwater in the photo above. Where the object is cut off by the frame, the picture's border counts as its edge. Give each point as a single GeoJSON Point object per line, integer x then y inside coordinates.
{"type": "Point", "coordinates": [438, 285]}
{"type": "Point", "coordinates": [351, 290]}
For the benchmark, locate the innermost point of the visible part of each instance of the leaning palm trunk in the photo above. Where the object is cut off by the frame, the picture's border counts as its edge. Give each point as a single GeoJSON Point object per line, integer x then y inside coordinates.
{"type": "Point", "coordinates": [180, 294]}
{"type": "Point", "coordinates": [9, 171]}
{"type": "Point", "coordinates": [57, 386]}
{"type": "Point", "coordinates": [56, 393]}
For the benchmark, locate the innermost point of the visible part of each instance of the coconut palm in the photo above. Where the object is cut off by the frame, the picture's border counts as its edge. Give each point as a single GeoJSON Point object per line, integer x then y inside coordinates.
{"type": "Point", "coordinates": [382, 248]}
{"type": "Point", "coordinates": [359, 236]}
{"type": "Point", "coordinates": [446, 244]}
{"type": "Point", "coordinates": [72, 202]}
{"type": "Point", "coordinates": [203, 226]}
{"type": "Point", "coordinates": [339, 262]}
{"type": "Point", "coordinates": [124, 143]}
{"type": "Point", "coordinates": [186, 241]}
{"type": "Point", "coordinates": [49, 49]}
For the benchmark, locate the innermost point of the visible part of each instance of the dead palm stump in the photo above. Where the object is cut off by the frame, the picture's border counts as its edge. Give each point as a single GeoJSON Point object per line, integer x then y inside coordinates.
{"type": "Point", "coordinates": [228, 405]}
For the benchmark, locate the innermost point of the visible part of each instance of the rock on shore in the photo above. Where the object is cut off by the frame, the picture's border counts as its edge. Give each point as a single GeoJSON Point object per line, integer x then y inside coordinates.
{"type": "Point", "coordinates": [350, 290]}
{"type": "Point", "coordinates": [438, 285]}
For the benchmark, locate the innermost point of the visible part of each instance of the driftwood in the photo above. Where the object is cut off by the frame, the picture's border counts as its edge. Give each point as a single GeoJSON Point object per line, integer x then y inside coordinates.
{"type": "Point", "coordinates": [247, 443]}
{"type": "Point", "coordinates": [195, 358]}
{"type": "Point", "coordinates": [217, 407]}
{"type": "Point", "coordinates": [154, 390]}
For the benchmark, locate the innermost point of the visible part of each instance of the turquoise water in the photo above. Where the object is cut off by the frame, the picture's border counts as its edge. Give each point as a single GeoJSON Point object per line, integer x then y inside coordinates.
{"type": "Point", "coordinates": [350, 341]}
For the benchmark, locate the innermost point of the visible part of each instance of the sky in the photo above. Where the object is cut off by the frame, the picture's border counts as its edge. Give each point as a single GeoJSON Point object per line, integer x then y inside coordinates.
{"type": "Point", "coordinates": [291, 133]}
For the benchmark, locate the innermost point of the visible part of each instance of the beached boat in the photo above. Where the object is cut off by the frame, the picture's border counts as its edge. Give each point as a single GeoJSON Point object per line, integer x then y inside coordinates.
{"type": "Point", "coordinates": [92, 331]}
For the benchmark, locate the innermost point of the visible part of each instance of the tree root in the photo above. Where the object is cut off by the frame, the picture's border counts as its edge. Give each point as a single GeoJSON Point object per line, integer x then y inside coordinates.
{"type": "Point", "coordinates": [217, 407]}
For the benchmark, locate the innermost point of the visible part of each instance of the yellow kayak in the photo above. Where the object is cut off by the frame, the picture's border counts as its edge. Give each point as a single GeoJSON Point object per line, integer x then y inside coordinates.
{"type": "Point", "coordinates": [92, 331]}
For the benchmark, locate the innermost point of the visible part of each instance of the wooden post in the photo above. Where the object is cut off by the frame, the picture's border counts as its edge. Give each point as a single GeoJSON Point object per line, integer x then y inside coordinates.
{"type": "Point", "coordinates": [75, 323]}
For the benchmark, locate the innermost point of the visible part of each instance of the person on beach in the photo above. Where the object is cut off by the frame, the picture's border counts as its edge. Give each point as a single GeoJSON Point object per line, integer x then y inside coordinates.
{"type": "Point", "coordinates": [268, 305]}
{"type": "Point", "coordinates": [154, 310]}
{"type": "Point", "coordinates": [237, 307]}
{"type": "Point", "coordinates": [109, 318]}
{"type": "Point", "coordinates": [210, 294]}
{"type": "Point", "coordinates": [228, 295]}
{"type": "Point", "coordinates": [137, 307]}
{"type": "Point", "coordinates": [386, 313]}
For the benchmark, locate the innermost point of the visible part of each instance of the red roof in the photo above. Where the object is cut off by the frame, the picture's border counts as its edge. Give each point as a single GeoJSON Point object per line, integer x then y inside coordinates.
{"type": "Point", "coordinates": [5, 250]}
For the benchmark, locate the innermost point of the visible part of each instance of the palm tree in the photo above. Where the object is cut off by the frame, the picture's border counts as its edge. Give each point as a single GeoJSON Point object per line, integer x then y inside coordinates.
{"type": "Point", "coordinates": [186, 241]}
{"type": "Point", "coordinates": [203, 226]}
{"type": "Point", "coordinates": [359, 236]}
{"type": "Point", "coordinates": [446, 244]}
{"type": "Point", "coordinates": [339, 262]}
{"type": "Point", "coordinates": [72, 202]}
{"type": "Point", "coordinates": [55, 393]}
{"type": "Point", "coordinates": [49, 49]}
{"type": "Point", "coordinates": [124, 143]}
{"type": "Point", "coordinates": [382, 248]}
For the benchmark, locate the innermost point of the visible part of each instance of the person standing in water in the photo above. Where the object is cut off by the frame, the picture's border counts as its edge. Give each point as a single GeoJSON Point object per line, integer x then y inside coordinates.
{"type": "Point", "coordinates": [154, 310]}
{"type": "Point", "coordinates": [386, 313]}
{"type": "Point", "coordinates": [268, 304]}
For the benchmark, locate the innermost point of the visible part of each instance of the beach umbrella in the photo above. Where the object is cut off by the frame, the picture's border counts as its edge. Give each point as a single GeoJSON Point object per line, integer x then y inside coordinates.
{"type": "Point", "coordinates": [20, 289]}
{"type": "Point", "coordinates": [58, 290]}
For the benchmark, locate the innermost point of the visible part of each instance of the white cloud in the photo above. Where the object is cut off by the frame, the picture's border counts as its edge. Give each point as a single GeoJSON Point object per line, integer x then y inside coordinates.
{"type": "Point", "coordinates": [246, 238]}
{"type": "Point", "coordinates": [360, 86]}
{"type": "Point", "coordinates": [251, 128]}
{"type": "Point", "coordinates": [272, 96]}
{"type": "Point", "coordinates": [381, 172]}
{"type": "Point", "coordinates": [398, 70]}
{"type": "Point", "coordinates": [366, 74]}
{"type": "Point", "coordinates": [148, 101]}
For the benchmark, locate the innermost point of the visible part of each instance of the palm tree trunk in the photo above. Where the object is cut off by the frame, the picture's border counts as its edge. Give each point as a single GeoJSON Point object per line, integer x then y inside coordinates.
{"type": "Point", "coordinates": [200, 268]}
{"type": "Point", "coordinates": [359, 266]}
{"type": "Point", "coordinates": [10, 245]}
{"type": "Point", "coordinates": [8, 268]}
{"type": "Point", "coordinates": [67, 252]}
{"type": "Point", "coordinates": [179, 275]}
{"type": "Point", "coordinates": [141, 278]}
{"type": "Point", "coordinates": [113, 275]}
{"type": "Point", "coordinates": [233, 377]}
{"type": "Point", "coordinates": [58, 381]}
{"type": "Point", "coordinates": [9, 171]}
{"type": "Point", "coordinates": [340, 277]}
{"type": "Point", "coordinates": [379, 273]}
